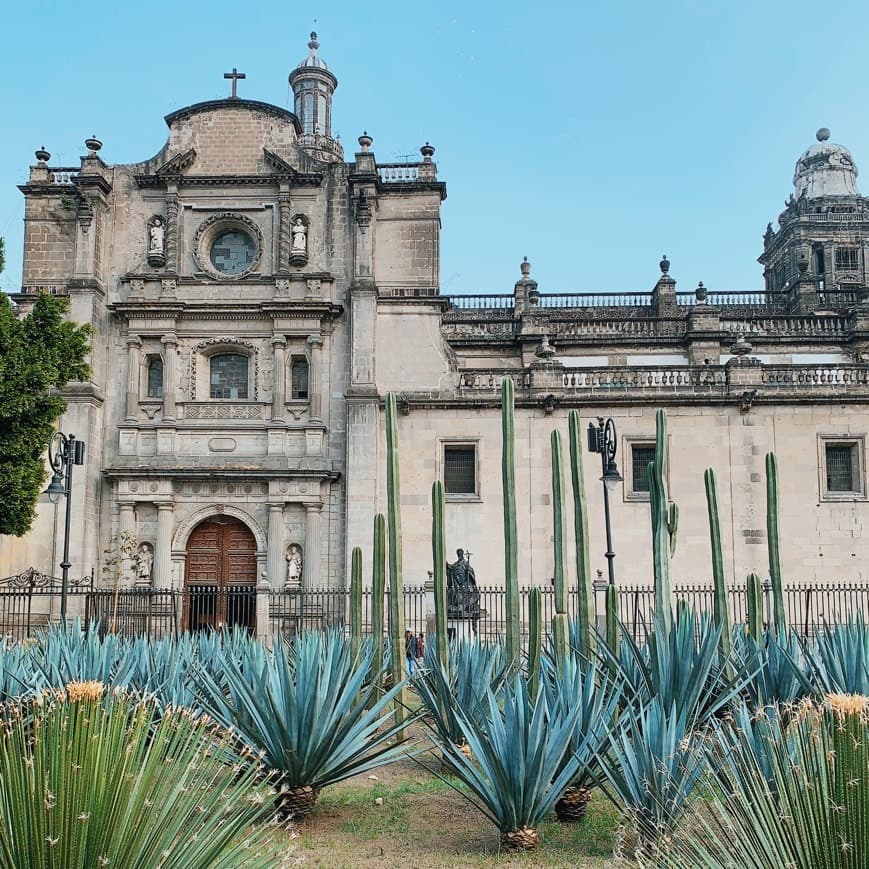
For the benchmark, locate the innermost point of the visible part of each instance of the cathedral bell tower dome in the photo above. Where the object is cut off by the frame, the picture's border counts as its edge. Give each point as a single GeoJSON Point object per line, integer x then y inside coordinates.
{"type": "Point", "coordinates": [825, 169]}
{"type": "Point", "coordinates": [313, 86]}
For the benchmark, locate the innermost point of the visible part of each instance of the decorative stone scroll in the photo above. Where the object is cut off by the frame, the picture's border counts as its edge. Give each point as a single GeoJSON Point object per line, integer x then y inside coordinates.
{"type": "Point", "coordinates": [214, 410]}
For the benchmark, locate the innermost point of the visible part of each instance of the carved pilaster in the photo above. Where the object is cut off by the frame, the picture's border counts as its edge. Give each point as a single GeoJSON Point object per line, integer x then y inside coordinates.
{"type": "Point", "coordinates": [163, 549]}
{"type": "Point", "coordinates": [134, 344]}
{"type": "Point", "coordinates": [279, 388]}
{"type": "Point", "coordinates": [172, 231]}
{"type": "Point", "coordinates": [284, 238]}
{"type": "Point", "coordinates": [313, 524]}
{"type": "Point", "coordinates": [275, 567]}
{"type": "Point", "coordinates": [315, 375]}
{"type": "Point", "coordinates": [170, 376]}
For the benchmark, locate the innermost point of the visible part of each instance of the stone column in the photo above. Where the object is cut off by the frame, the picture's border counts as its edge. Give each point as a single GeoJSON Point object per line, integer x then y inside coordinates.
{"type": "Point", "coordinates": [279, 389]}
{"type": "Point", "coordinates": [275, 563]}
{"type": "Point", "coordinates": [170, 365]}
{"type": "Point", "coordinates": [134, 344]}
{"type": "Point", "coordinates": [172, 230]}
{"type": "Point", "coordinates": [126, 526]}
{"type": "Point", "coordinates": [311, 568]}
{"type": "Point", "coordinates": [163, 549]}
{"type": "Point", "coordinates": [315, 376]}
{"type": "Point", "coordinates": [284, 238]}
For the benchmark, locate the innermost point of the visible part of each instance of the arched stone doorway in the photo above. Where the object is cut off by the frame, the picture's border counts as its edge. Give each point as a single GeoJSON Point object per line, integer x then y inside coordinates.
{"type": "Point", "coordinates": [220, 575]}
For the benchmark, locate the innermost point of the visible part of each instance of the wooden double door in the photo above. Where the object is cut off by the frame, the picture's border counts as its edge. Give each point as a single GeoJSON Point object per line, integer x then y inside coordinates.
{"type": "Point", "coordinates": [220, 576]}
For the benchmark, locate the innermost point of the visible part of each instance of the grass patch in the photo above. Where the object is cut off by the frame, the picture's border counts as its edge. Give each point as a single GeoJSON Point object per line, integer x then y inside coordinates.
{"type": "Point", "coordinates": [423, 822]}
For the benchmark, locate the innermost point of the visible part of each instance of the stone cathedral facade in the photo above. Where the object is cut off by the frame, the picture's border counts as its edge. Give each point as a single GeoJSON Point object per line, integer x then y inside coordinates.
{"type": "Point", "coordinates": [254, 294]}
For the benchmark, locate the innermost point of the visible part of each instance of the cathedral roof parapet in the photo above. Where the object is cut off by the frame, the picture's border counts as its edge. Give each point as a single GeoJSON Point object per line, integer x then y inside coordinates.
{"type": "Point", "coordinates": [235, 103]}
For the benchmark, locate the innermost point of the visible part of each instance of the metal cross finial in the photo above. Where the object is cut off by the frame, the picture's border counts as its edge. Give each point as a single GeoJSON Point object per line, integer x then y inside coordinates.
{"type": "Point", "coordinates": [235, 75]}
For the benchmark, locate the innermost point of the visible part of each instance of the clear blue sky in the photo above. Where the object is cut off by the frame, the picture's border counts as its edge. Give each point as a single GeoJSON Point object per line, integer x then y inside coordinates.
{"type": "Point", "coordinates": [591, 137]}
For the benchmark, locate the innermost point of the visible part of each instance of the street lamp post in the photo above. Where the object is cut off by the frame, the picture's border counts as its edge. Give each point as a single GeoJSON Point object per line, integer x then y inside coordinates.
{"type": "Point", "coordinates": [64, 451]}
{"type": "Point", "coordinates": [602, 439]}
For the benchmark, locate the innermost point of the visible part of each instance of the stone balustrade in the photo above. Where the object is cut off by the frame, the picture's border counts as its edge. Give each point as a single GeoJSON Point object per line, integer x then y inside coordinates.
{"type": "Point", "coordinates": [63, 175]}
{"type": "Point", "coordinates": [406, 173]}
{"type": "Point", "coordinates": [775, 381]}
{"type": "Point", "coordinates": [594, 300]}
{"type": "Point", "coordinates": [832, 326]}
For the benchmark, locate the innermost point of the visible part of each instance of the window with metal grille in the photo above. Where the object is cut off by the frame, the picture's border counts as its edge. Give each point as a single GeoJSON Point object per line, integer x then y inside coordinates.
{"type": "Point", "coordinates": [847, 258]}
{"type": "Point", "coordinates": [299, 378]}
{"type": "Point", "coordinates": [843, 468]}
{"type": "Point", "coordinates": [460, 470]}
{"type": "Point", "coordinates": [641, 455]}
{"type": "Point", "coordinates": [229, 376]}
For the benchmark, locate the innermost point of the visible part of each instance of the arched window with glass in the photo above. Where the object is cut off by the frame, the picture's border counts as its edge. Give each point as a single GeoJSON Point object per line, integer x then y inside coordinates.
{"type": "Point", "coordinates": [155, 377]}
{"type": "Point", "coordinates": [229, 376]}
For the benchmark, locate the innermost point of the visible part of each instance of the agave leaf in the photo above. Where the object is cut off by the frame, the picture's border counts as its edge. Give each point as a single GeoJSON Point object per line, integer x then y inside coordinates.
{"type": "Point", "coordinates": [315, 720]}
{"type": "Point", "coordinates": [679, 662]}
{"type": "Point", "coordinates": [475, 669]}
{"type": "Point", "coordinates": [652, 766]}
{"type": "Point", "coordinates": [517, 770]}
{"type": "Point", "coordinates": [777, 667]}
{"type": "Point", "coordinates": [803, 802]}
{"type": "Point", "coordinates": [840, 658]}
{"type": "Point", "coordinates": [587, 688]}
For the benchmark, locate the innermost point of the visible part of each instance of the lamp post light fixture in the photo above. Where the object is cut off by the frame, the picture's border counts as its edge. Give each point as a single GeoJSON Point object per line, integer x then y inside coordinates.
{"type": "Point", "coordinates": [64, 451]}
{"type": "Point", "coordinates": [602, 439]}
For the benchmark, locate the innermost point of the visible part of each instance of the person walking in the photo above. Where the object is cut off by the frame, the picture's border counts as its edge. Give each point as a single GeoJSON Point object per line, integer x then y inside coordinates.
{"type": "Point", "coordinates": [409, 652]}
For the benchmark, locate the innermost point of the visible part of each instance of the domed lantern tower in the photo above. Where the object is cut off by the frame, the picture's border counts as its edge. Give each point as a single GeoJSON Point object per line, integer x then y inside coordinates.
{"type": "Point", "coordinates": [313, 86]}
{"type": "Point", "coordinates": [823, 235]}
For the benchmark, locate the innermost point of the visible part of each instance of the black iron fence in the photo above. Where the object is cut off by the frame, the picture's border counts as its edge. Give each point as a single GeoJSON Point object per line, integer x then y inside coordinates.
{"type": "Point", "coordinates": [30, 601]}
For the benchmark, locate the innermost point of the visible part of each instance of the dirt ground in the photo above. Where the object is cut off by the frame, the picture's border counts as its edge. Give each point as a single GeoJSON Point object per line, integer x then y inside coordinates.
{"type": "Point", "coordinates": [422, 822]}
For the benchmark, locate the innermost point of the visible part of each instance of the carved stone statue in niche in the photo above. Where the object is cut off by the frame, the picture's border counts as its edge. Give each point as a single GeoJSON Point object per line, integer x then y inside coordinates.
{"type": "Point", "coordinates": [294, 566]}
{"type": "Point", "coordinates": [157, 241]}
{"type": "Point", "coordinates": [299, 247]}
{"type": "Point", "coordinates": [144, 564]}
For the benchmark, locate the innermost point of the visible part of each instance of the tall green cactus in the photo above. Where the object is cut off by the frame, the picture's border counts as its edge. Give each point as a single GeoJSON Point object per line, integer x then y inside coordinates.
{"type": "Point", "coordinates": [511, 552]}
{"type": "Point", "coordinates": [665, 521]}
{"type": "Point", "coordinates": [378, 591]}
{"type": "Point", "coordinates": [559, 525]}
{"type": "Point", "coordinates": [439, 559]}
{"type": "Point", "coordinates": [535, 639]}
{"type": "Point", "coordinates": [721, 609]}
{"type": "Point", "coordinates": [396, 586]}
{"type": "Point", "coordinates": [612, 619]}
{"type": "Point", "coordinates": [754, 594]}
{"type": "Point", "coordinates": [355, 601]}
{"type": "Point", "coordinates": [779, 615]}
{"type": "Point", "coordinates": [585, 609]}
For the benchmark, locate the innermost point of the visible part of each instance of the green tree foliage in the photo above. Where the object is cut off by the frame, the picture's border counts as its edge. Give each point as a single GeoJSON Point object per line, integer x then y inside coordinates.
{"type": "Point", "coordinates": [39, 355]}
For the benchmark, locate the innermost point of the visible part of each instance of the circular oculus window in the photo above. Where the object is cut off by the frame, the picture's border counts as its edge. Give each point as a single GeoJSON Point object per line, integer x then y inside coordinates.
{"type": "Point", "coordinates": [233, 252]}
{"type": "Point", "coordinates": [228, 246]}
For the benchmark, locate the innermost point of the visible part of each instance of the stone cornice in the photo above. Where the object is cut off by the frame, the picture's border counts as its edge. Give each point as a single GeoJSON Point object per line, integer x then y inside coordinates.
{"type": "Point", "coordinates": [299, 179]}
{"type": "Point", "coordinates": [156, 309]}
{"type": "Point", "coordinates": [409, 187]}
{"type": "Point", "coordinates": [267, 468]}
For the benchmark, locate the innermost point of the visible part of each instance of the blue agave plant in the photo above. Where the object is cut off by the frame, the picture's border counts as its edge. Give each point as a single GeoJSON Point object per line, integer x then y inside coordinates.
{"type": "Point", "coordinates": [840, 658]}
{"type": "Point", "coordinates": [315, 720]}
{"type": "Point", "coordinates": [520, 761]}
{"type": "Point", "coordinates": [475, 670]}
{"type": "Point", "coordinates": [651, 766]}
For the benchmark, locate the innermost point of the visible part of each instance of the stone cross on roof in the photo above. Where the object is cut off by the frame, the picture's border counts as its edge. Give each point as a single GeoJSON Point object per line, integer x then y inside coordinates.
{"type": "Point", "coordinates": [235, 75]}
